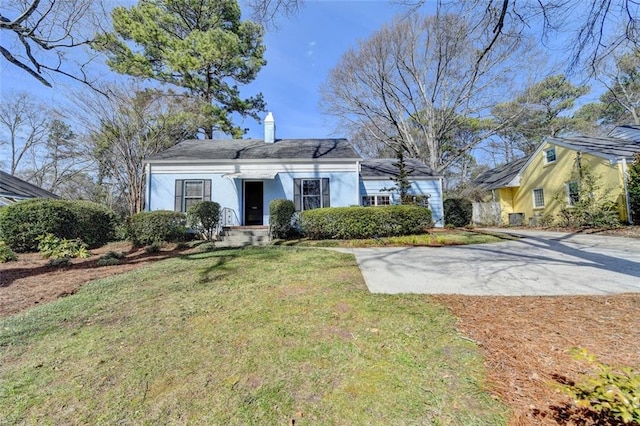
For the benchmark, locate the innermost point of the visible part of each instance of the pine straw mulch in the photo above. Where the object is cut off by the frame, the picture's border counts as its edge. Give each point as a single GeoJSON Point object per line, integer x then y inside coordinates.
{"type": "Point", "coordinates": [527, 343]}
{"type": "Point", "coordinates": [526, 340]}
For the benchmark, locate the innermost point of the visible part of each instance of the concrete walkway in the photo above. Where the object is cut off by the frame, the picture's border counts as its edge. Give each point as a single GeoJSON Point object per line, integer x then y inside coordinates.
{"type": "Point", "coordinates": [539, 264]}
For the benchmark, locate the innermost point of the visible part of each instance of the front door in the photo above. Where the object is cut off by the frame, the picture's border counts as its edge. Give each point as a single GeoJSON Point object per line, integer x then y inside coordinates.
{"type": "Point", "coordinates": [253, 203]}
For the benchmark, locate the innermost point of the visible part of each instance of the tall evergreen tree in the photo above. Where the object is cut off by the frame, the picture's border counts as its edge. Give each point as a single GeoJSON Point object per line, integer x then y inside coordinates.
{"type": "Point", "coordinates": [199, 45]}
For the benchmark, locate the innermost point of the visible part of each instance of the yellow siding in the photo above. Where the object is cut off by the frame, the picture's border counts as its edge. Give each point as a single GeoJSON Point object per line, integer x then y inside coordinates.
{"type": "Point", "coordinates": [552, 178]}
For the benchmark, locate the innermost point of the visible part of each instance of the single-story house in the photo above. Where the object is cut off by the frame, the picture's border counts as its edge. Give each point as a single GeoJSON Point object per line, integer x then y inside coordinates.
{"type": "Point", "coordinates": [544, 182]}
{"type": "Point", "coordinates": [14, 189]}
{"type": "Point", "coordinates": [244, 175]}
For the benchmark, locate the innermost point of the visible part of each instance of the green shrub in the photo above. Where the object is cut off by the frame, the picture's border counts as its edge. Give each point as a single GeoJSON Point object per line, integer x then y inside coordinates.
{"type": "Point", "coordinates": [110, 258]}
{"type": "Point", "coordinates": [154, 247]}
{"type": "Point", "coordinates": [59, 262]}
{"type": "Point", "coordinates": [53, 247]}
{"type": "Point", "coordinates": [21, 223]}
{"type": "Point", "coordinates": [364, 222]}
{"type": "Point", "coordinates": [281, 213]}
{"type": "Point", "coordinates": [95, 224]}
{"type": "Point", "coordinates": [613, 392]}
{"type": "Point", "coordinates": [6, 254]}
{"type": "Point", "coordinates": [203, 217]}
{"type": "Point", "coordinates": [457, 212]}
{"type": "Point", "coordinates": [161, 225]}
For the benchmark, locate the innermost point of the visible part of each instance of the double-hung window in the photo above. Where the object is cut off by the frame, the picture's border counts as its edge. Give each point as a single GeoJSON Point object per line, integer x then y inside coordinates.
{"type": "Point", "coordinates": [550, 155]}
{"type": "Point", "coordinates": [312, 193]}
{"type": "Point", "coordinates": [376, 200]}
{"type": "Point", "coordinates": [191, 191]}
{"type": "Point", "coordinates": [573, 192]}
{"type": "Point", "coordinates": [538, 198]}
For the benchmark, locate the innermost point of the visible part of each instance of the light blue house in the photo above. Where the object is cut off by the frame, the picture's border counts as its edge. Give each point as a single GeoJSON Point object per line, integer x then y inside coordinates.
{"type": "Point", "coordinates": [243, 176]}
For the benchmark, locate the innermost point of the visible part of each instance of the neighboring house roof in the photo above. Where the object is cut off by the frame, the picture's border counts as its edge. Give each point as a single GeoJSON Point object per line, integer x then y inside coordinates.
{"type": "Point", "coordinates": [629, 132]}
{"type": "Point", "coordinates": [13, 187]}
{"type": "Point", "coordinates": [501, 177]}
{"type": "Point", "coordinates": [610, 148]}
{"type": "Point", "coordinates": [387, 168]}
{"type": "Point", "coordinates": [197, 150]}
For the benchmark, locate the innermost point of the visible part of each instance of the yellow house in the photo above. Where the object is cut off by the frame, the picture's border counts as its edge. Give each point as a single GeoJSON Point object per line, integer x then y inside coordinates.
{"type": "Point", "coordinates": [540, 185]}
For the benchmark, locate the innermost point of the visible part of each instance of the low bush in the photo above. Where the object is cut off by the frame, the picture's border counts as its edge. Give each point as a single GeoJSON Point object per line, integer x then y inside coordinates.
{"type": "Point", "coordinates": [59, 262]}
{"type": "Point", "coordinates": [53, 247]}
{"type": "Point", "coordinates": [153, 227]}
{"type": "Point", "coordinates": [155, 247]}
{"type": "Point", "coordinates": [457, 212]}
{"type": "Point", "coordinates": [6, 254]}
{"type": "Point", "coordinates": [203, 217]}
{"type": "Point", "coordinates": [281, 213]}
{"type": "Point", "coordinates": [21, 223]}
{"type": "Point", "coordinates": [365, 222]}
{"type": "Point", "coordinates": [609, 391]}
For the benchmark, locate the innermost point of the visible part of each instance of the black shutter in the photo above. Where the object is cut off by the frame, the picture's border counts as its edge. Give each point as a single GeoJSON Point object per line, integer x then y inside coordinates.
{"type": "Point", "coordinates": [325, 193]}
{"type": "Point", "coordinates": [207, 190]}
{"type": "Point", "coordinates": [297, 191]}
{"type": "Point", "coordinates": [177, 206]}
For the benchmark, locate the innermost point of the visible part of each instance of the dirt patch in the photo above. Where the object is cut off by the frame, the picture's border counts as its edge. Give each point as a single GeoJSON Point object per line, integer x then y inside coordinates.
{"type": "Point", "coordinates": [527, 341]}
{"type": "Point", "coordinates": [29, 281]}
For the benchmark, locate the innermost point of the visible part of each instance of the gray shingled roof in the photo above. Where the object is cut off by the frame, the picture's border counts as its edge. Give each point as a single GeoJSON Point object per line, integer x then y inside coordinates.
{"type": "Point", "coordinates": [629, 132]}
{"type": "Point", "coordinates": [500, 177]}
{"type": "Point", "coordinates": [386, 168]}
{"type": "Point", "coordinates": [11, 186]}
{"type": "Point", "coordinates": [256, 149]}
{"type": "Point", "coordinates": [610, 147]}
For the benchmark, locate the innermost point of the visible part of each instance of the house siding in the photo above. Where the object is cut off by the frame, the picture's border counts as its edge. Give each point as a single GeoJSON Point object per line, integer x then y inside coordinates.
{"type": "Point", "coordinates": [228, 193]}
{"type": "Point", "coordinates": [552, 178]}
{"type": "Point", "coordinates": [430, 187]}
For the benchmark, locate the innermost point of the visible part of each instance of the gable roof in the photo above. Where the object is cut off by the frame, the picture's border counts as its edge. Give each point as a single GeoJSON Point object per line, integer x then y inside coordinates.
{"type": "Point", "coordinates": [609, 148]}
{"type": "Point", "coordinates": [197, 150]}
{"type": "Point", "coordinates": [386, 168]}
{"type": "Point", "coordinates": [13, 187]}
{"type": "Point", "coordinates": [628, 132]}
{"type": "Point", "coordinates": [502, 176]}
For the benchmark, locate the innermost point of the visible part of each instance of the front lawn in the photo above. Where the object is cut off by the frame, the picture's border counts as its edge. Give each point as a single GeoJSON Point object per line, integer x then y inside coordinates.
{"type": "Point", "coordinates": [435, 238]}
{"type": "Point", "coordinates": [257, 336]}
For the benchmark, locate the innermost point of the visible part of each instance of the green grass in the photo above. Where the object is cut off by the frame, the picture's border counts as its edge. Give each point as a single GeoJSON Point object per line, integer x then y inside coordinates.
{"type": "Point", "coordinates": [255, 336]}
{"type": "Point", "coordinates": [437, 239]}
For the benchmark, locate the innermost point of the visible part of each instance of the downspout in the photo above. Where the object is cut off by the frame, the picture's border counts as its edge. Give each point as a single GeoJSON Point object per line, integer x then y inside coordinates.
{"type": "Point", "coordinates": [626, 191]}
{"type": "Point", "coordinates": [358, 195]}
{"type": "Point", "coordinates": [147, 184]}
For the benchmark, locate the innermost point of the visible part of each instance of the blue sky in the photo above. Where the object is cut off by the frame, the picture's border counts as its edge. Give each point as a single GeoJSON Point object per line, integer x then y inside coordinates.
{"type": "Point", "coordinates": [300, 54]}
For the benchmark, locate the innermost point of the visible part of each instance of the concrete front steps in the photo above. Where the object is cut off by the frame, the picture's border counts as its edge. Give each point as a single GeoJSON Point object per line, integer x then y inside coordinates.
{"type": "Point", "coordinates": [243, 236]}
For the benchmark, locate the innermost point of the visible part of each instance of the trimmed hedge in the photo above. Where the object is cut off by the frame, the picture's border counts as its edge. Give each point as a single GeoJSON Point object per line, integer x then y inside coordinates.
{"type": "Point", "coordinates": [154, 227]}
{"type": "Point", "coordinates": [457, 212]}
{"type": "Point", "coordinates": [365, 222]}
{"type": "Point", "coordinates": [21, 223]}
{"type": "Point", "coordinates": [281, 213]}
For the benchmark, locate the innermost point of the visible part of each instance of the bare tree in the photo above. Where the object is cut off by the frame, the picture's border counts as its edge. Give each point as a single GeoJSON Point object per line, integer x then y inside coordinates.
{"type": "Point", "coordinates": [38, 34]}
{"type": "Point", "coordinates": [24, 124]}
{"type": "Point", "coordinates": [267, 12]}
{"type": "Point", "coordinates": [621, 101]}
{"type": "Point", "coordinates": [127, 126]}
{"type": "Point", "coordinates": [596, 28]}
{"type": "Point", "coordinates": [413, 83]}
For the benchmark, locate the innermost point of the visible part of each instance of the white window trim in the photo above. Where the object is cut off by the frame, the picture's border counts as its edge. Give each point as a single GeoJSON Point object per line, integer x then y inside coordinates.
{"type": "Point", "coordinates": [302, 196]}
{"type": "Point", "coordinates": [568, 193]}
{"type": "Point", "coordinates": [533, 196]}
{"type": "Point", "coordinates": [184, 192]}
{"type": "Point", "coordinates": [375, 200]}
{"type": "Point", "coordinates": [555, 155]}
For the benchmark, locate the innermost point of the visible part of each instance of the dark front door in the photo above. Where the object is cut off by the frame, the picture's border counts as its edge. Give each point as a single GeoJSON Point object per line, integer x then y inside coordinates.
{"type": "Point", "coordinates": [253, 203]}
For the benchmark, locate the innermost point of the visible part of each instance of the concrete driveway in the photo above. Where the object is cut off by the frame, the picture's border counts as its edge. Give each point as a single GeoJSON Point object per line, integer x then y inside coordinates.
{"type": "Point", "coordinates": [539, 264]}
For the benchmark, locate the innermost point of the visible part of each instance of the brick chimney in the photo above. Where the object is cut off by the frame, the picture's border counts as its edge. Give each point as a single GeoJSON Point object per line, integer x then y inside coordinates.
{"type": "Point", "coordinates": [269, 129]}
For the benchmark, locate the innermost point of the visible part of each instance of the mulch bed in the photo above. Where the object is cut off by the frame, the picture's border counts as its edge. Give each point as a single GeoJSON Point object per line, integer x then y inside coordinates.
{"type": "Point", "coordinates": [526, 341]}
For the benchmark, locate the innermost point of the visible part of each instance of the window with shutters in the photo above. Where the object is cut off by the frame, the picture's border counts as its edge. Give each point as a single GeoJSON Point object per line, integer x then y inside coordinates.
{"type": "Point", "coordinates": [190, 192]}
{"type": "Point", "coordinates": [311, 193]}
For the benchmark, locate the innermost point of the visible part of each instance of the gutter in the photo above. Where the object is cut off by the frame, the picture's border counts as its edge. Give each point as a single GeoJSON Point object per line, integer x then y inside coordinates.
{"type": "Point", "coordinates": [626, 191]}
